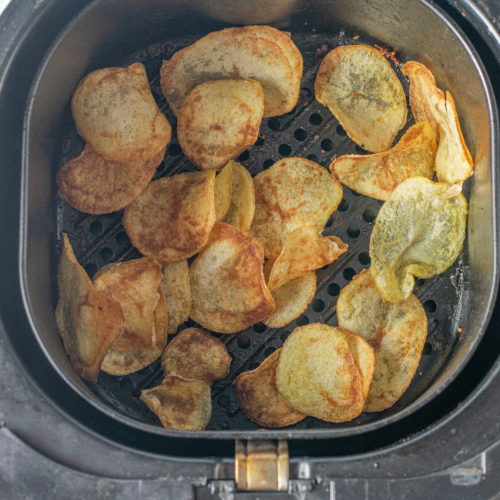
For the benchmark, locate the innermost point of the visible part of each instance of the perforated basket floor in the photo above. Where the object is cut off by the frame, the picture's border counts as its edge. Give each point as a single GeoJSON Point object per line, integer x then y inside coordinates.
{"type": "Point", "coordinates": [311, 131]}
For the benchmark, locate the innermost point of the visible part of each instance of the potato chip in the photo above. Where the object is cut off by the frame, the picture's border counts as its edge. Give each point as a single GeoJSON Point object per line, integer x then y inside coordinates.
{"type": "Point", "coordinates": [416, 233]}
{"type": "Point", "coordinates": [172, 218]}
{"type": "Point", "coordinates": [124, 362]}
{"type": "Point", "coordinates": [304, 250]}
{"type": "Point", "coordinates": [378, 174]}
{"type": "Point", "coordinates": [242, 207]}
{"type": "Point", "coordinates": [292, 299]}
{"type": "Point", "coordinates": [364, 357]}
{"type": "Point", "coordinates": [88, 320]}
{"type": "Point", "coordinates": [116, 114]}
{"type": "Point", "coordinates": [177, 292]}
{"type": "Point", "coordinates": [453, 161]}
{"type": "Point", "coordinates": [222, 190]}
{"type": "Point", "coordinates": [293, 192]}
{"type": "Point", "coordinates": [259, 398]}
{"type": "Point", "coordinates": [94, 185]}
{"type": "Point", "coordinates": [396, 330]}
{"type": "Point", "coordinates": [219, 119]}
{"type": "Point", "coordinates": [180, 404]}
{"type": "Point", "coordinates": [228, 289]}
{"type": "Point", "coordinates": [196, 355]}
{"type": "Point", "coordinates": [135, 285]}
{"type": "Point", "coordinates": [359, 86]}
{"type": "Point", "coordinates": [258, 52]}
{"type": "Point", "coordinates": [317, 375]}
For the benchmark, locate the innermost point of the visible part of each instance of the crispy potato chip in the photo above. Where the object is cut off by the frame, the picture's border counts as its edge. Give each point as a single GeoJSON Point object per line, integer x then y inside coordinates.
{"type": "Point", "coordinates": [180, 404]}
{"type": "Point", "coordinates": [135, 285]}
{"type": "Point", "coordinates": [228, 289]}
{"type": "Point", "coordinates": [453, 160]}
{"type": "Point", "coordinates": [172, 219]}
{"type": "Point", "coordinates": [242, 207]}
{"type": "Point", "coordinates": [304, 250]}
{"type": "Point", "coordinates": [396, 331]}
{"type": "Point", "coordinates": [177, 292]}
{"type": "Point", "coordinates": [218, 120]}
{"type": "Point", "coordinates": [364, 357]}
{"type": "Point", "coordinates": [116, 114]}
{"type": "Point", "coordinates": [317, 374]}
{"type": "Point", "coordinates": [416, 233]}
{"type": "Point", "coordinates": [292, 300]}
{"type": "Point", "coordinates": [222, 190]}
{"type": "Point", "coordinates": [94, 185]}
{"type": "Point", "coordinates": [196, 355]}
{"type": "Point", "coordinates": [88, 320]}
{"type": "Point", "coordinates": [124, 362]}
{"type": "Point", "coordinates": [293, 192]}
{"type": "Point", "coordinates": [258, 52]}
{"type": "Point", "coordinates": [378, 174]}
{"type": "Point", "coordinates": [259, 398]}
{"type": "Point", "coordinates": [359, 86]}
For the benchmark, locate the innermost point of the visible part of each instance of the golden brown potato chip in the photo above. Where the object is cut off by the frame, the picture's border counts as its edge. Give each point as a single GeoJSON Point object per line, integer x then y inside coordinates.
{"type": "Point", "coordinates": [94, 185]}
{"type": "Point", "coordinates": [416, 233]}
{"type": "Point", "coordinates": [258, 52]}
{"type": "Point", "coordinates": [177, 292]}
{"type": "Point", "coordinates": [378, 174]}
{"type": "Point", "coordinates": [359, 86]}
{"type": "Point", "coordinates": [317, 374]}
{"type": "Point", "coordinates": [124, 362]}
{"type": "Point", "coordinates": [222, 190]}
{"type": "Point", "coordinates": [88, 320]}
{"type": "Point", "coordinates": [218, 120]}
{"type": "Point", "coordinates": [116, 114]}
{"type": "Point", "coordinates": [364, 357]}
{"type": "Point", "coordinates": [453, 161]}
{"type": "Point", "coordinates": [259, 398]}
{"type": "Point", "coordinates": [180, 404]}
{"type": "Point", "coordinates": [396, 331]}
{"type": "Point", "coordinates": [242, 207]}
{"type": "Point", "coordinates": [293, 192]}
{"type": "Point", "coordinates": [304, 250]}
{"type": "Point", "coordinates": [292, 299]}
{"type": "Point", "coordinates": [135, 285]}
{"type": "Point", "coordinates": [172, 218]}
{"type": "Point", "coordinates": [228, 289]}
{"type": "Point", "coordinates": [196, 355]}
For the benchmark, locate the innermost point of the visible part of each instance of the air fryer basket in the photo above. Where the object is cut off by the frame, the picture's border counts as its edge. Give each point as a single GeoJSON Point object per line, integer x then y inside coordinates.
{"type": "Point", "coordinates": [106, 33]}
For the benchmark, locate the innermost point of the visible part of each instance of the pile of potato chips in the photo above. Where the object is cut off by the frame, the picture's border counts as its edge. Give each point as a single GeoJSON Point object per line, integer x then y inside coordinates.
{"type": "Point", "coordinates": [229, 251]}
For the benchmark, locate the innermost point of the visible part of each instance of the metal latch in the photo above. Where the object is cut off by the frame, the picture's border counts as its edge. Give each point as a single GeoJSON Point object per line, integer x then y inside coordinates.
{"type": "Point", "coordinates": [261, 465]}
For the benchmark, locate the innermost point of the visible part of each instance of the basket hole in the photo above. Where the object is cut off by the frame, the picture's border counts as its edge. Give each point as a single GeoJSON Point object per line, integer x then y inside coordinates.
{"type": "Point", "coordinates": [349, 273]}
{"type": "Point", "coordinates": [369, 215]}
{"type": "Point", "coordinates": [122, 238]}
{"type": "Point", "coordinates": [353, 231]}
{"type": "Point", "coordinates": [315, 119]}
{"type": "Point", "coordinates": [95, 227]}
{"type": "Point", "coordinates": [244, 156]}
{"type": "Point", "coordinates": [259, 328]}
{"type": "Point", "coordinates": [174, 149]}
{"type": "Point", "coordinates": [244, 341]}
{"type": "Point", "coordinates": [343, 205]}
{"type": "Point", "coordinates": [333, 289]}
{"type": "Point", "coordinates": [354, 193]}
{"type": "Point", "coordinates": [326, 145]}
{"type": "Point", "coordinates": [312, 157]}
{"type": "Point", "coordinates": [419, 281]}
{"type": "Point", "coordinates": [274, 124]}
{"type": "Point", "coordinates": [427, 349]}
{"type": "Point", "coordinates": [285, 150]}
{"type": "Point", "coordinates": [364, 258]}
{"type": "Point", "coordinates": [302, 320]}
{"type": "Point", "coordinates": [430, 306]}
{"type": "Point", "coordinates": [318, 305]}
{"type": "Point", "coordinates": [329, 222]}
{"type": "Point", "coordinates": [106, 254]}
{"type": "Point", "coordinates": [300, 134]}
{"type": "Point", "coordinates": [223, 401]}
{"type": "Point", "coordinates": [340, 130]}
{"type": "Point", "coordinates": [91, 269]}
{"type": "Point", "coordinates": [259, 141]}
{"type": "Point", "coordinates": [359, 149]}
{"type": "Point", "coordinates": [269, 351]}
{"type": "Point", "coordinates": [267, 163]}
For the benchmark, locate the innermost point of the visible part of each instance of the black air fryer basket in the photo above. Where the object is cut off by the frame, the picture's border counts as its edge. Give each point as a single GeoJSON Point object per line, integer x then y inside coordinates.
{"type": "Point", "coordinates": [96, 34]}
